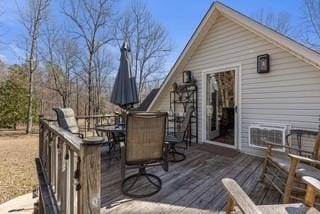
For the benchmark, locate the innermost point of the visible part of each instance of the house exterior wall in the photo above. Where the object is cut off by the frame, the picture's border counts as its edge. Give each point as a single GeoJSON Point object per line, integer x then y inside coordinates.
{"type": "Point", "coordinates": [289, 94]}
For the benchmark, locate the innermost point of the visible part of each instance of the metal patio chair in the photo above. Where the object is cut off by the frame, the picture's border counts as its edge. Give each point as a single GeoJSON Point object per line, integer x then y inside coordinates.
{"type": "Point", "coordinates": [67, 120]}
{"type": "Point", "coordinates": [179, 137]}
{"type": "Point", "coordinates": [112, 139]}
{"type": "Point", "coordinates": [144, 147]}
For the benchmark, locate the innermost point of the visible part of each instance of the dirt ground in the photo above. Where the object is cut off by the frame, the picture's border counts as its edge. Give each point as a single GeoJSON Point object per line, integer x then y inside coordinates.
{"type": "Point", "coordinates": [17, 165]}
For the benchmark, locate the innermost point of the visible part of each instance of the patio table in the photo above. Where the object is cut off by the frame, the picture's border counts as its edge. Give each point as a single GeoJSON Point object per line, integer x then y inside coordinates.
{"type": "Point", "coordinates": [111, 129]}
{"type": "Point", "coordinates": [115, 134]}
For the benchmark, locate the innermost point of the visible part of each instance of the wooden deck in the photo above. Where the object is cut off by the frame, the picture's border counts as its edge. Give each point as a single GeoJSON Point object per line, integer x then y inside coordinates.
{"type": "Point", "coordinates": [191, 186]}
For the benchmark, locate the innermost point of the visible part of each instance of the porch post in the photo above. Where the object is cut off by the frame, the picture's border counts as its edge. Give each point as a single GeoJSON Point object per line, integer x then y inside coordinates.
{"type": "Point", "coordinates": [90, 175]}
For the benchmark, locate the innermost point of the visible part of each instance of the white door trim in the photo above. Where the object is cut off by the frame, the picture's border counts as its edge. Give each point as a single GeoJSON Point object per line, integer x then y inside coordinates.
{"type": "Point", "coordinates": [237, 69]}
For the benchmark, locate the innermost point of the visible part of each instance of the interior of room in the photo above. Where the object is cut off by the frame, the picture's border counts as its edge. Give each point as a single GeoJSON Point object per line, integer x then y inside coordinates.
{"type": "Point", "coordinates": [220, 104]}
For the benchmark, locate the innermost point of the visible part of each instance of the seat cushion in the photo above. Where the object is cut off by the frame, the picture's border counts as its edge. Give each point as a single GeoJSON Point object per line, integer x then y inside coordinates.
{"type": "Point", "coordinates": [172, 139]}
{"type": "Point", "coordinates": [302, 169]}
{"type": "Point", "coordinates": [67, 120]}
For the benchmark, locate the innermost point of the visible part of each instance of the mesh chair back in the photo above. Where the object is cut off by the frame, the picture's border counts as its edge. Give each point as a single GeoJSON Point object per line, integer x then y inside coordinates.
{"type": "Point", "coordinates": [145, 137]}
{"type": "Point", "coordinates": [67, 120]}
{"type": "Point", "coordinates": [186, 121]}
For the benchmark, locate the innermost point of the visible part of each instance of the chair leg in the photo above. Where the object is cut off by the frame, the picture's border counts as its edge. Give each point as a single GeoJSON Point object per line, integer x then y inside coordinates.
{"type": "Point", "coordinates": [310, 197]}
{"type": "Point", "coordinates": [130, 190]}
{"type": "Point", "coordinates": [290, 181]}
{"type": "Point", "coordinates": [122, 162]}
{"type": "Point", "coordinates": [123, 171]}
{"type": "Point", "coordinates": [174, 153]}
{"type": "Point", "coordinates": [110, 151]}
{"type": "Point", "coordinates": [265, 164]}
{"type": "Point", "coordinates": [230, 205]}
{"type": "Point", "coordinates": [264, 170]}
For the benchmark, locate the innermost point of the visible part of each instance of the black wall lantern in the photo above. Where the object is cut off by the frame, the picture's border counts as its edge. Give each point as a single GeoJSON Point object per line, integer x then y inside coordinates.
{"type": "Point", "coordinates": [263, 63]}
{"type": "Point", "coordinates": [187, 78]}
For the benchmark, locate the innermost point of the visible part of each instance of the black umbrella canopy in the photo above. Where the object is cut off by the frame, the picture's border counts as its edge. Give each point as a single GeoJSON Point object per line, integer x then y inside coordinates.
{"type": "Point", "coordinates": [124, 92]}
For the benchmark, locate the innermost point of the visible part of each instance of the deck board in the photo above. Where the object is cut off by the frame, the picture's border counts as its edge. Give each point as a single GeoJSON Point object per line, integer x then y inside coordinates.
{"type": "Point", "coordinates": [191, 186]}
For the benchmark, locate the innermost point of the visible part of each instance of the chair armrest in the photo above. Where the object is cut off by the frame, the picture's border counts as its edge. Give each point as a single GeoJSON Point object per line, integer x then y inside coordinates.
{"type": "Point", "coordinates": [122, 145]}
{"type": "Point", "coordinates": [123, 151]}
{"type": "Point", "coordinates": [239, 197]}
{"type": "Point", "coordinates": [166, 147]}
{"type": "Point", "coordinates": [315, 183]}
{"type": "Point", "coordinates": [271, 144]}
{"type": "Point", "coordinates": [313, 186]}
{"type": "Point", "coordinates": [304, 159]}
{"type": "Point", "coordinates": [277, 145]}
{"type": "Point", "coordinates": [78, 134]}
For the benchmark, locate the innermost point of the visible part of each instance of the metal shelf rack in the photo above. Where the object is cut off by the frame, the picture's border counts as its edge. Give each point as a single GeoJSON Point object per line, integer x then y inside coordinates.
{"type": "Point", "coordinates": [184, 95]}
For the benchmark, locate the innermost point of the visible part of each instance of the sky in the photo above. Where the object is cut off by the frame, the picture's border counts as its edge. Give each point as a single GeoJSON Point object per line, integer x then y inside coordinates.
{"type": "Point", "coordinates": [179, 17]}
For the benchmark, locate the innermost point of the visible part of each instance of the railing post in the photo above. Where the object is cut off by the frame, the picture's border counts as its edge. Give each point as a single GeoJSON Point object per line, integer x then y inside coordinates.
{"type": "Point", "coordinates": [41, 129]}
{"type": "Point", "coordinates": [90, 175]}
{"type": "Point", "coordinates": [40, 145]}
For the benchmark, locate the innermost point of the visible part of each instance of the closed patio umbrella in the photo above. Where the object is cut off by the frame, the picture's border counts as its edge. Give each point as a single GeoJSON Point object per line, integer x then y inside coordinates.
{"type": "Point", "coordinates": [124, 92]}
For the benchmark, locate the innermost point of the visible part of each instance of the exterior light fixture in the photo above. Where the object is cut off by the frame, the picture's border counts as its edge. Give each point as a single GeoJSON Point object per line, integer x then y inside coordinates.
{"type": "Point", "coordinates": [187, 77]}
{"type": "Point", "coordinates": [263, 63]}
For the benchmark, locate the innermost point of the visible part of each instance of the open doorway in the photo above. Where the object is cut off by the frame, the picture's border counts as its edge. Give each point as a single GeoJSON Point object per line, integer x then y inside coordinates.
{"type": "Point", "coordinates": [220, 107]}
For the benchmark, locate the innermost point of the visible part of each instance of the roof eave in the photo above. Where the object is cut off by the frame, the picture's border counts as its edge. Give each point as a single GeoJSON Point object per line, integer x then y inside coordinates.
{"type": "Point", "coordinates": [306, 54]}
{"type": "Point", "coordinates": [190, 43]}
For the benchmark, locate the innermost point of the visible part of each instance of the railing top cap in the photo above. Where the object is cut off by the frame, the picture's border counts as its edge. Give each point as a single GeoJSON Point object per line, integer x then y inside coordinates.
{"type": "Point", "coordinates": [94, 116]}
{"type": "Point", "coordinates": [71, 139]}
{"type": "Point", "coordinates": [93, 140]}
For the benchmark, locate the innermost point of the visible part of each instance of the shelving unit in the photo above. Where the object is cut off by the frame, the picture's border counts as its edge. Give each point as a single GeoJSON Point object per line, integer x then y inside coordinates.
{"type": "Point", "coordinates": [183, 96]}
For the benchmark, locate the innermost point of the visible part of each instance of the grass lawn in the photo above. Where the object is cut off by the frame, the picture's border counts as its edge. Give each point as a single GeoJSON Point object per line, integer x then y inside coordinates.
{"type": "Point", "coordinates": [17, 165]}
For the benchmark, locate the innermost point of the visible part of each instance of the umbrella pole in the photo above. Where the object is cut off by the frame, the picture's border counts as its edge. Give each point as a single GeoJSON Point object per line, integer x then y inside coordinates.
{"type": "Point", "coordinates": [123, 115]}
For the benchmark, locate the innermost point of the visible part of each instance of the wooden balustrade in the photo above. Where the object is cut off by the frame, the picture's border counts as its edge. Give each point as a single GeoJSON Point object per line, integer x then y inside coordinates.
{"type": "Point", "coordinates": [68, 171]}
{"type": "Point", "coordinates": [87, 123]}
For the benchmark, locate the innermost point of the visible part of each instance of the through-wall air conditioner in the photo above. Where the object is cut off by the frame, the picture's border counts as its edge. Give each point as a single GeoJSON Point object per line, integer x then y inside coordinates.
{"type": "Point", "coordinates": [275, 133]}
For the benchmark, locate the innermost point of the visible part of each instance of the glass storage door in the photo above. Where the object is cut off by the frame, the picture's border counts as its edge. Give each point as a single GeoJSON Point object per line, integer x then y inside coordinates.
{"type": "Point", "coordinates": [212, 107]}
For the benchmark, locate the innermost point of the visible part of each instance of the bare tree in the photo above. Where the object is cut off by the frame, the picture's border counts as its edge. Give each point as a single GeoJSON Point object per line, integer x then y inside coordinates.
{"type": "Point", "coordinates": [103, 66]}
{"type": "Point", "coordinates": [148, 41]}
{"type": "Point", "coordinates": [32, 17]}
{"type": "Point", "coordinates": [311, 32]}
{"type": "Point", "coordinates": [90, 19]}
{"type": "Point", "coordinates": [61, 58]}
{"type": "Point", "coordinates": [280, 22]}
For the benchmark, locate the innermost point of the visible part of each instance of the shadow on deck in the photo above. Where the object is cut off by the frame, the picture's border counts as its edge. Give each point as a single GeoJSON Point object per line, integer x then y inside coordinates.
{"type": "Point", "coordinates": [191, 186]}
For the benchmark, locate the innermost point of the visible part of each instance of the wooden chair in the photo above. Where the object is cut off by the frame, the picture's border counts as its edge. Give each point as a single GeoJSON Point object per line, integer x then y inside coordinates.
{"type": "Point", "coordinates": [239, 201]}
{"type": "Point", "coordinates": [179, 137]}
{"type": "Point", "coordinates": [67, 120]}
{"type": "Point", "coordinates": [144, 147]}
{"type": "Point", "coordinates": [284, 172]}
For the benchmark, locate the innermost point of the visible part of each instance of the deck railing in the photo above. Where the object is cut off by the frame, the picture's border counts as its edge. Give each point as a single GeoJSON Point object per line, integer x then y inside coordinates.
{"type": "Point", "coordinates": [68, 171]}
{"type": "Point", "coordinates": [87, 123]}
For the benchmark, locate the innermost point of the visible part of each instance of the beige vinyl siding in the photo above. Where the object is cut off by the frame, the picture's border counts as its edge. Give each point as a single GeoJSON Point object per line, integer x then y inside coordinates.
{"type": "Point", "coordinates": [289, 94]}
